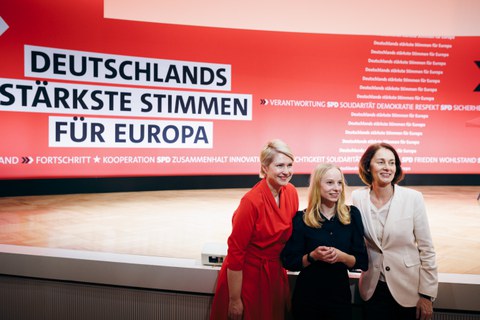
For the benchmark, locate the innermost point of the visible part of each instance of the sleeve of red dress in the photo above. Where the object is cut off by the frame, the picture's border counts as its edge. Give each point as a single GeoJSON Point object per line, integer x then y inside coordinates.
{"type": "Point", "coordinates": [243, 222]}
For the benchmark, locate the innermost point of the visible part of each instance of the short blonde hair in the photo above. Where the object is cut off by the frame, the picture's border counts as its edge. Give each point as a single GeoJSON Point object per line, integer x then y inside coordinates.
{"type": "Point", "coordinates": [272, 148]}
{"type": "Point", "coordinates": [312, 217]}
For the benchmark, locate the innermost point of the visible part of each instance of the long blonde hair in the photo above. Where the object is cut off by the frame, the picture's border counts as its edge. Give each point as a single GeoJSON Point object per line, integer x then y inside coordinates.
{"type": "Point", "coordinates": [312, 217]}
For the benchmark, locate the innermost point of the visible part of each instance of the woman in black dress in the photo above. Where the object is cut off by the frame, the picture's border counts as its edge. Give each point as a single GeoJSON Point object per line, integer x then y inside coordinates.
{"type": "Point", "coordinates": [326, 242]}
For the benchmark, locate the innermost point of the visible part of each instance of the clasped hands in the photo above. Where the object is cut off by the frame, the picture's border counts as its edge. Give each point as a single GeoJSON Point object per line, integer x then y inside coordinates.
{"type": "Point", "coordinates": [326, 254]}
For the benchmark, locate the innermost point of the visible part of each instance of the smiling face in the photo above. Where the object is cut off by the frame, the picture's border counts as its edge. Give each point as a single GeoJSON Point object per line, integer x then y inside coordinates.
{"type": "Point", "coordinates": [279, 172]}
{"type": "Point", "coordinates": [331, 185]}
{"type": "Point", "coordinates": [382, 167]}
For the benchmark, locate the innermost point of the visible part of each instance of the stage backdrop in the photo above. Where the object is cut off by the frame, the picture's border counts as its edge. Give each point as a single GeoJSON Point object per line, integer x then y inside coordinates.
{"type": "Point", "coordinates": [140, 88]}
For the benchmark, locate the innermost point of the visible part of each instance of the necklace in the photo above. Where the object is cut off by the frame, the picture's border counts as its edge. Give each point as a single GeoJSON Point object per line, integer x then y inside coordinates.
{"type": "Point", "coordinates": [328, 211]}
{"type": "Point", "coordinates": [380, 201]}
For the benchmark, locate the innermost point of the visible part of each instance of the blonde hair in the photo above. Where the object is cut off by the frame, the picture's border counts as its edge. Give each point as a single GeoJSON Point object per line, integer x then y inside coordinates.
{"type": "Point", "coordinates": [311, 216]}
{"type": "Point", "coordinates": [272, 148]}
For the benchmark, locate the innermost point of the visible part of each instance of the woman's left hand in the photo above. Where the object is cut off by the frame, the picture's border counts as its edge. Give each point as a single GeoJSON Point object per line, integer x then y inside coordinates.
{"type": "Point", "coordinates": [424, 309]}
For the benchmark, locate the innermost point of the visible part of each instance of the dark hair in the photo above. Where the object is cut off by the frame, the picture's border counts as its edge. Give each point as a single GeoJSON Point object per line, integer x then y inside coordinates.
{"type": "Point", "coordinates": [364, 164]}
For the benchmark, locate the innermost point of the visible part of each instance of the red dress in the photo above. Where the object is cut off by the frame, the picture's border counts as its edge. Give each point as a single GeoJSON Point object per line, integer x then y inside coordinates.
{"type": "Point", "coordinates": [260, 230]}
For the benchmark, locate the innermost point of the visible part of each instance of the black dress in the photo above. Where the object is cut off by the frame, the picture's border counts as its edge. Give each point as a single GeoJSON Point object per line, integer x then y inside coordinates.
{"type": "Point", "coordinates": [322, 290]}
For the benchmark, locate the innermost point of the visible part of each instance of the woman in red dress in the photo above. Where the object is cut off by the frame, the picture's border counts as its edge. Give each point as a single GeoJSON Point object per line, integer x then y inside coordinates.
{"type": "Point", "coordinates": [252, 283]}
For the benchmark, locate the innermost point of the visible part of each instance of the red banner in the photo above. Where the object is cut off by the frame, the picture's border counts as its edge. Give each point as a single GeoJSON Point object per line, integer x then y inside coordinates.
{"type": "Point", "coordinates": [82, 95]}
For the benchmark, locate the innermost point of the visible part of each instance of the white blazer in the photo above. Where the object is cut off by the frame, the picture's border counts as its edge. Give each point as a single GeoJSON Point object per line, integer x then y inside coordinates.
{"type": "Point", "coordinates": [406, 254]}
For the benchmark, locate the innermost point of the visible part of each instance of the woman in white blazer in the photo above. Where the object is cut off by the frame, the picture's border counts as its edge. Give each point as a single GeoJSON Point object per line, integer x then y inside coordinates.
{"type": "Point", "coordinates": [401, 281]}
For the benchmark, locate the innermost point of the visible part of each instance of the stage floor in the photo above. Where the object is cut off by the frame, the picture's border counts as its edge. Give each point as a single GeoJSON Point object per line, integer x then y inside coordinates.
{"type": "Point", "coordinates": [176, 224]}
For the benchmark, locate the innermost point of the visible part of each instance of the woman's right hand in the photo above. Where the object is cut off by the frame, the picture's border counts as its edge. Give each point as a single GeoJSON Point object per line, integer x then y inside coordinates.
{"type": "Point", "coordinates": [235, 309]}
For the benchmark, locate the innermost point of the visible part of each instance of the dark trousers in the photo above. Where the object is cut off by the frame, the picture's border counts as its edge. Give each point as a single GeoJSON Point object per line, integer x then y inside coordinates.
{"type": "Point", "coordinates": [383, 306]}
